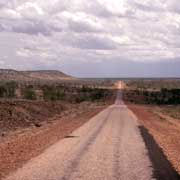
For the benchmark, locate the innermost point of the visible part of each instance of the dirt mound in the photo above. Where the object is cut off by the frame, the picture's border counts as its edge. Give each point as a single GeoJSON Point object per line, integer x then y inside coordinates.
{"type": "Point", "coordinates": [22, 114]}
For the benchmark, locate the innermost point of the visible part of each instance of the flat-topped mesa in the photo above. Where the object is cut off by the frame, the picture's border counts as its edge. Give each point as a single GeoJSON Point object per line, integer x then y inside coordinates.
{"type": "Point", "coordinates": [46, 75]}
{"type": "Point", "coordinates": [12, 75]}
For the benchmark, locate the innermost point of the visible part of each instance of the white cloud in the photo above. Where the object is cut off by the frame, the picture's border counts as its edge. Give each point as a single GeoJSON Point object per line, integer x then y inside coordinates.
{"type": "Point", "coordinates": [96, 30]}
{"type": "Point", "coordinates": [23, 53]}
{"type": "Point", "coordinates": [9, 14]}
{"type": "Point", "coordinates": [30, 10]}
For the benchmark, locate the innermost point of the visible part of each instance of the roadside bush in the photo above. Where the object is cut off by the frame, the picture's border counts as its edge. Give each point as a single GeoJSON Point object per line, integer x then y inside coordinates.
{"type": "Point", "coordinates": [10, 89]}
{"type": "Point", "coordinates": [53, 93]}
{"type": "Point", "coordinates": [7, 90]}
{"type": "Point", "coordinates": [29, 93]}
{"type": "Point", "coordinates": [2, 91]}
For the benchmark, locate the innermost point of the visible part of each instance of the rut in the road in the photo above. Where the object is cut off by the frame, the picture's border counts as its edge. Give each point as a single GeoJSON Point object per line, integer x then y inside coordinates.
{"type": "Point", "coordinates": [117, 134]}
{"type": "Point", "coordinates": [73, 164]}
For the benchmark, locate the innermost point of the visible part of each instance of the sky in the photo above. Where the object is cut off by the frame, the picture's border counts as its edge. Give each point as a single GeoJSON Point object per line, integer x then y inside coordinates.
{"type": "Point", "coordinates": [92, 38]}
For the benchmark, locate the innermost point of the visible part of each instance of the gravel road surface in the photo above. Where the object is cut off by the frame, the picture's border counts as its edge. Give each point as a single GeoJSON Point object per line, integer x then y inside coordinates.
{"type": "Point", "coordinates": [108, 147]}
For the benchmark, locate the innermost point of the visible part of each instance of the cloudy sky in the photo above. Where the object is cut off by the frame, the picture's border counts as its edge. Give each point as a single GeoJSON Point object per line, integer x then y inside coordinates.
{"type": "Point", "coordinates": [92, 38]}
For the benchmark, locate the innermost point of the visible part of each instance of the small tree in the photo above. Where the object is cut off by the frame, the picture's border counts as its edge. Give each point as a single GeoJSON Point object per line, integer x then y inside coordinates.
{"type": "Point", "coordinates": [29, 93]}
{"type": "Point", "coordinates": [10, 89]}
{"type": "Point", "coordinates": [2, 91]}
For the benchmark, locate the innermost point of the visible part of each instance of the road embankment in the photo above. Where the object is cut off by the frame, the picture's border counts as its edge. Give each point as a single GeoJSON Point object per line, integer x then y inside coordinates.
{"type": "Point", "coordinates": [17, 147]}
{"type": "Point", "coordinates": [163, 130]}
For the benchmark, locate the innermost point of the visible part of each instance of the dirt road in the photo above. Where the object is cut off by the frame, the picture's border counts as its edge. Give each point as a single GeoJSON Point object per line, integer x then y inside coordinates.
{"type": "Point", "coordinates": [108, 147]}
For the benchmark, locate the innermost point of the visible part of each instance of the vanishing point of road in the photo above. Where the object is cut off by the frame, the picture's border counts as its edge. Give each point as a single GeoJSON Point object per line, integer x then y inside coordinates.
{"type": "Point", "coordinates": [107, 147]}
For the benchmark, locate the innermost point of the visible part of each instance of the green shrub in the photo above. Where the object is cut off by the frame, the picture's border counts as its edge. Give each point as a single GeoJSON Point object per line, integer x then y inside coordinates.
{"type": "Point", "coordinates": [10, 89]}
{"type": "Point", "coordinates": [53, 93]}
{"type": "Point", "coordinates": [2, 91]}
{"type": "Point", "coordinates": [7, 90]}
{"type": "Point", "coordinates": [29, 93]}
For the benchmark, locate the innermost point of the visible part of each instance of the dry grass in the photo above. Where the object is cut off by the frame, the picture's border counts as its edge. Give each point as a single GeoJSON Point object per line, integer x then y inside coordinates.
{"type": "Point", "coordinates": [171, 110]}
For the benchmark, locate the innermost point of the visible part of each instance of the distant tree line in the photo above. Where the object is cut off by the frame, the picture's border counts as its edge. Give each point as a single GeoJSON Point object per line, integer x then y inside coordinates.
{"type": "Point", "coordinates": [164, 96]}
{"type": "Point", "coordinates": [53, 92]}
{"type": "Point", "coordinates": [153, 84]}
{"type": "Point", "coordinates": [74, 94]}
